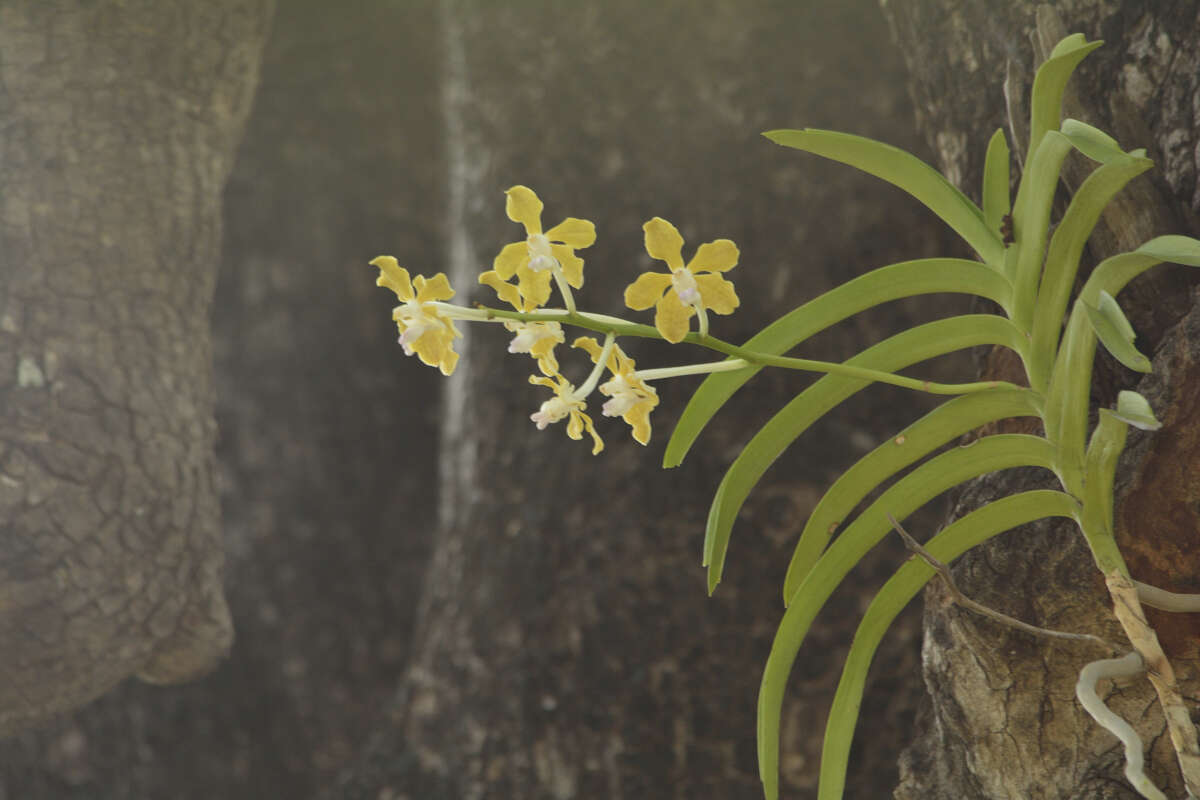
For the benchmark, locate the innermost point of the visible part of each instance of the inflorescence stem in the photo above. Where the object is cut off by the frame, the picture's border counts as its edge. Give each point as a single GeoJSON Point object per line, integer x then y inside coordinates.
{"type": "Point", "coordinates": [601, 323]}
{"type": "Point", "coordinates": [598, 370]}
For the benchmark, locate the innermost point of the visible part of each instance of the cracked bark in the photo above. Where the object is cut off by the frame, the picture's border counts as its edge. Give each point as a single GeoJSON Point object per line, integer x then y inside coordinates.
{"type": "Point", "coordinates": [119, 127]}
{"type": "Point", "coordinates": [1028, 738]}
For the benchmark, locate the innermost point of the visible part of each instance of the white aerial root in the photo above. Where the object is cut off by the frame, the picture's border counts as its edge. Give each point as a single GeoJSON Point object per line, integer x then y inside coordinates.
{"type": "Point", "coordinates": [1124, 667]}
{"type": "Point", "coordinates": [1167, 601]}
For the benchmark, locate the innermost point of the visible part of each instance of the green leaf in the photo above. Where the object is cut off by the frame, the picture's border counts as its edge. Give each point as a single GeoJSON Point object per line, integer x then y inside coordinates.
{"type": "Point", "coordinates": [892, 354]}
{"type": "Point", "coordinates": [940, 426]}
{"type": "Point", "coordinates": [1092, 142]}
{"type": "Point", "coordinates": [1112, 274]}
{"type": "Point", "coordinates": [1108, 440]}
{"type": "Point", "coordinates": [957, 538]}
{"type": "Point", "coordinates": [1135, 410]}
{"type": "Point", "coordinates": [906, 171]}
{"type": "Point", "coordinates": [906, 279]}
{"type": "Point", "coordinates": [1070, 380]}
{"type": "Point", "coordinates": [1031, 223]}
{"type": "Point", "coordinates": [1115, 333]}
{"type": "Point", "coordinates": [1066, 416]}
{"type": "Point", "coordinates": [1062, 258]}
{"type": "Point", "coordinates": [996, 200]}
{"type": "Point", "coordinates": [927, 481]}
{"type": "Point", "coordinates": [1049, 84]}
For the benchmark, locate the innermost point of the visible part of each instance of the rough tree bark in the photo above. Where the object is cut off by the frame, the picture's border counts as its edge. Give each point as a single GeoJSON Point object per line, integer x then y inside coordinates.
{"type": "Point", "coordinates": [119, 125]}
{"type": "Point", "coordinates": [317, 417]}
{"type": "Point", "coordinates": [1003, 721]}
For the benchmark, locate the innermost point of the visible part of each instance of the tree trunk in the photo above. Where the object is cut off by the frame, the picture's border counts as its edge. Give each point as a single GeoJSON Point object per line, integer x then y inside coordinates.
{"type": "Point", "coordinates": [120, 124]}
{"type": "Point", "coordinates": [1003, 721]}
{"type": "Point", "coordinates": [318, 415]}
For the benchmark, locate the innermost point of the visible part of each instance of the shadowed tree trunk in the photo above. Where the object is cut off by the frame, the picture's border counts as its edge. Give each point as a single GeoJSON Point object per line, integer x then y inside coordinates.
{"type": "Point", "coordinates": [1003, 721]}
{"type": "Point", "coordinates": [317, 419]}
{"type": "Point", "coordinates": [119, 124]}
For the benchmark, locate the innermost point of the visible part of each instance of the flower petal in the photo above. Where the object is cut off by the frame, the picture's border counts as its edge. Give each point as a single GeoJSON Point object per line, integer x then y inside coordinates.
{"type": "Point", "coordinates": [625, 364]}
{"type": "Point", "coordinates": [393, 276]}
{"type": "Point", "coordinates": [523, 206]}
{"type": "Point", "coordinates": [646, 290]}
{"type": "Point", "coordinates": [572, 265]}
{"type": "Point", "coordinates": [593, 349]}
{"type": "Point", "coordinates": [543, 351]}
{"type": "Point", "coordinates": [534, 286]}
{"type": "Point", "coordinates": [435, 288]}
{"type": "Point", "coordinates": [664, 242]}
{"type": "Point", "coordinates": [671, 317]}
{"type": "Point", "coordinates": [589, 345]}
{"type": "Point", "coordinates": [436, 348]}
{"type": "Point", "coordinates": [715, 256]}
{"type": "Point", "coordinates": [512, 257]}
{"type": "Point", "coordinates": [574, 233]}
{"type": "Point", "coordinates": [638, 418]}
{"type": "Point", "coordinates": [448, 363]}
{"type": "Point", "coordinates": [717, 294]}
{"type": "Point", "coordinates": [580, 422]}
{"type": "Point", "coordinates": [504, 290]}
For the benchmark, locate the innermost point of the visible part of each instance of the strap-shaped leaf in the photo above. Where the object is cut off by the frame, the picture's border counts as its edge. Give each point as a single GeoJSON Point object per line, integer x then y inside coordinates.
{"type": "Point", "coordinates": [996, 200]}
{"type": "Point", "coordinates": [1062, 259]}
{"type": "Point", "coordinates": [1050, 82]}
{"type": "Point", "coordinates": [1112, 274]}
{"type": "Point", "coordinates": [906, 171]}
{"type": "Point", "coordinates": [906, 279]}
{"type": "Point", "coordinates": [957, 538]}
{"type": "Point", "coordinates": [941, 425]}
{"type": "Point", "coordinates": [892, 354]}
{"type": "Point", "coordinates": [901, 499]}
{"type": "Point", "coordinates": [1031, 221]}
{"type": "Point", "coordinates": [1095, 143]}
{"type": "Point", "coordinates": [1108, 440]}
{"type": "Point", "coordinates": [1113, 330]}
{"type": "Point", "coordinates": [1066, 416]}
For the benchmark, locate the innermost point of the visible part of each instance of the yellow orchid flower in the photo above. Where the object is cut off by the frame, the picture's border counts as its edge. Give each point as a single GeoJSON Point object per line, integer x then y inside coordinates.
{"type": "Point", "coordinates": [565, 403]}
{"type": "Point", "coordinates": [536, 337]}
{"type": "Point", "coordinates": [630, 398]}
{"type": "Point", "coordinates": [688, 289]}
{"type": "Point", "coordinates": [542, 257]}
{"type": "Point", "coordinates": [422, 329]}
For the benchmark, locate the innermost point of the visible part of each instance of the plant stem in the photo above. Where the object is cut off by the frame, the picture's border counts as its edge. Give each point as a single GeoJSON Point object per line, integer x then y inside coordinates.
{"type": "Point", "coordinates": [598, 370]}
{"type": "Point", "coordinates": [729, 365]}
{"type": "Point", "coordinates": [619, 327]}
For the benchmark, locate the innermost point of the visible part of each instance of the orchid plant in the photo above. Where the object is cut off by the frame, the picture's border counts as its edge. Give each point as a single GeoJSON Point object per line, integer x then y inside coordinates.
{"type": "Point", "coordinates": [1026, 266]}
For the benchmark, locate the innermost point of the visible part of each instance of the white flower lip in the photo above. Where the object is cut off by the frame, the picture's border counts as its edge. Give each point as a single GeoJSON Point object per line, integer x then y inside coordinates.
{"type": "Point", "coordinates": [684, 283]}
{"type": "Point", "coordinates": [541, 257]}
